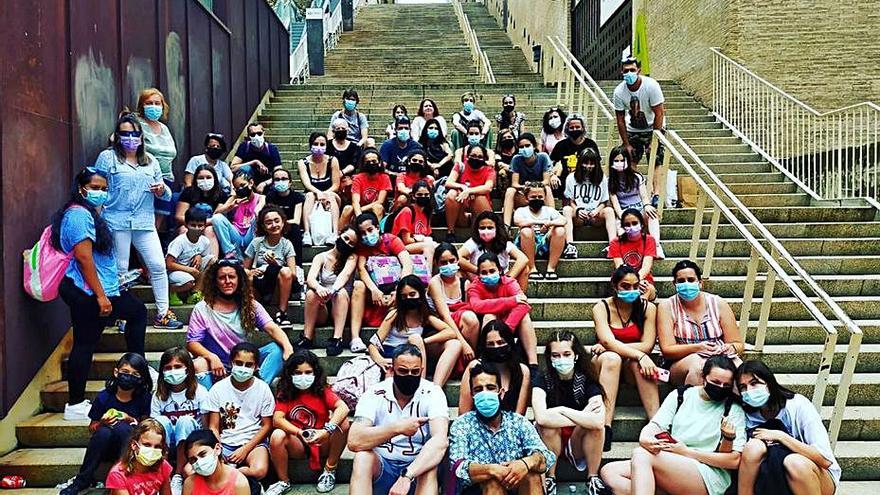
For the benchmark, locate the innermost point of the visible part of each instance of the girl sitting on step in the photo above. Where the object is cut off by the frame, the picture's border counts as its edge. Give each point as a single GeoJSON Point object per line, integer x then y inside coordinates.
{"type": "Point", "coordinates": [412, 223]}
{"type": "Point", "coordinates": [497, 346]}
{"type": "Point", "coordinates": [637, 249]}
{"type": "Point", "coordinates": [489, 235]}
{"type": "Point", "coordinates": [212, 476]}
{"type": "Point", "coordinates": [142, 469]}
{"type": "Point", "coordinates": [627, 189]}
{"type": "Point", "coordinates": [447, 296]}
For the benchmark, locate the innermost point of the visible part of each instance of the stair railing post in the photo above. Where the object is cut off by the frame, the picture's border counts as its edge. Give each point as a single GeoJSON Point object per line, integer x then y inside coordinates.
{"type": "Point", "coordinates": [698, 225]}
{"type": "Point", "coordinates": [315, 40]}
{"type": "Point", "coordinates": [710, 246]}
{"type": "Point", "coordinates": [749, 292]}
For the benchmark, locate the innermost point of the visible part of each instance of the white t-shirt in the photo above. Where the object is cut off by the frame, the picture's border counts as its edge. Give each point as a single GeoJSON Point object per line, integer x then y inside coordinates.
{"type": "Point", "coordinates": [585, 194]}
{"type": "Point", "coordinates": [178, 405]}
{"type": "Point", "coordinates": [241, 412]}
{"type": "Point", "coordinates": [224, 173]}
{"type": "Point", "coordinates": [380, 407]}
{"type": "Point", "coordinates": [476, 251]}
{"type": "Point", "coordinates": [545, 216]}
{"type": "Point", "coordinates": [638, 105]}
{"type": "Point", "coordinates": [184, 251]}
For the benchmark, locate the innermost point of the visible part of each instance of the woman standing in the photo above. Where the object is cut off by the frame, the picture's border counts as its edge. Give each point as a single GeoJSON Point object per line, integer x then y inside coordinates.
{"type": "Point", "coordinates": [152, 110]}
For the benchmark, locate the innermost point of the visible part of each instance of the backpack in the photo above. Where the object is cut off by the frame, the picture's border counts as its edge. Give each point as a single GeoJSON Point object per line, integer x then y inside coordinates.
{"type": "Point", "coordinates": [44, 267]}
{"type": "Point", "coordinates": [386, 225]}
{"type": "Point", "coordinates": [440, 195]}
{"type": "Point", "coordinates": [354, 378]}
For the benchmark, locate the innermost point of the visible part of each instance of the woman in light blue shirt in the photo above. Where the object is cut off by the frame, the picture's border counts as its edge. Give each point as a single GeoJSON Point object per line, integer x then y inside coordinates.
{"type": "Point", "coordinates": [135, 179]}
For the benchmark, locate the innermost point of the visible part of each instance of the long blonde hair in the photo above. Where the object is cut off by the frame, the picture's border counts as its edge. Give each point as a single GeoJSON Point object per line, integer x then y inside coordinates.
{"type": "Point", "coordinates": [129, 455]}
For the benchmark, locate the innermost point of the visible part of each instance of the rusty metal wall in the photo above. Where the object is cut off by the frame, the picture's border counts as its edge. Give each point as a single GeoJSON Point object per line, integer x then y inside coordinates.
{"type": "Point", "coordinates": [69, 68]}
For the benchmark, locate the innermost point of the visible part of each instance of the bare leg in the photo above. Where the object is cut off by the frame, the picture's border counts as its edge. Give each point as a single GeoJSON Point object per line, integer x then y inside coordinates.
{"type": "Point", "coordinates": [453, 208]}
{"type": "Point", "coordinates": [286, 277]}
{"type": "Point", "coordinates": [257, 464]}
{"type": "Point", "coordinates": [364, 470]}
{"type": "Point", "coordinates": [610, 222]}
{"type": "Point", "coordinates": [480, 204]}
{"type": "Point", "coordinates": [568, 212]}
{"type": "Point", "coordinates": [427, 483]}
{"type": "Point", "coordinates": [587, 444]}
{"type": "Point", "coordinates": [279, 447]}
{"type": "Point", "coordinates": [529, 339]}
{"type": "Point", "coordinates": [647, 388]}
{"type": "Point", "coordinates": [616, 476]}
{"type": "Point", "coordinates": [530, 484]}
{"type": "Point", "coordinates": [470, 328]}
{"type": "Point", "coordinates": [752, 456]}
{"type": "Point", "coordinates": [340, 310]}
{"type": "Point", "coordinates": [345, 217]}
{"type": "Point", "coordinates": [315, 310]}
{"type": "Point", "coordinates": [450, 350]}
{"type": "Point", "coordinates": [805, 478]}
{"type": "Point", "coordinates": [358, 304]}
{"type": "Point", "coordinates": [552, 438]}
{"type": "Point", "coordinates": [672, 473]}
{"type": "Point", "coordinates": [688, 370]}
{"type": "Point", "coordinates": [608, 365]}
{"type": "Point", "coordinates": [308, 206]}
{"type": "Point", "coordinates": [527, 244]}
{"type": "Point", "coordinates": [337, 445]}
{"type": "Point", "coordinates": [557, 244]}
{"type": "Point", "coordinates": [507, 209]}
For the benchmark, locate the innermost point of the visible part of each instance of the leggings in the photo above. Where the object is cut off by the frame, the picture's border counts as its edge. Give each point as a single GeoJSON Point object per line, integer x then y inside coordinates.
{"type": "Point", "coordinates": [146, 242]}
{"type": "Point", "coordinates": [106, 444]}
{"type": "Point", "coordinates": [88, 327]}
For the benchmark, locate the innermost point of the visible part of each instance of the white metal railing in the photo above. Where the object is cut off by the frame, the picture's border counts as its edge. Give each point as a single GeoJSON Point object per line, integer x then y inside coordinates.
{"type": "Point", "coordinates": [478, 55]}
{"type": "Point", "coordinates": [836, 154]}
{"type": "Point", "coordinates": [299, 59]}
{"type": "Point", "coordinates": [332, 25]}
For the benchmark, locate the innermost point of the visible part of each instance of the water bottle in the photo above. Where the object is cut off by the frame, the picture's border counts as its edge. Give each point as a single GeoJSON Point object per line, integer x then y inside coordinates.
{"type": "Point", "coordinates": [128, 279]}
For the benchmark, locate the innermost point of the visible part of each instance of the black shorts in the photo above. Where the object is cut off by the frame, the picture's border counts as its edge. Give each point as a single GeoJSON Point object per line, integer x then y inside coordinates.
{"type": "Point", "coordinates": [265, 285]}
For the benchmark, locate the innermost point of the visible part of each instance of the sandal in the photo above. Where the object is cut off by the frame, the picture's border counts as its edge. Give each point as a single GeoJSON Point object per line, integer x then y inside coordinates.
{"type": "Point", "coordinates": [551, 276]}
{"type": "Point", "coordinates": [536, 276]}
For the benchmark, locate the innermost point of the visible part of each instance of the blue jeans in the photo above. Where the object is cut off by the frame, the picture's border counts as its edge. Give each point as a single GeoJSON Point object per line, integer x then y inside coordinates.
{"type": "Point", "coordinates": [229, 238]}
{"type": "Point", "coordinates": [391, 471]}
{"type": "Point", "coordinates": [179, 431]}
{"type": "Point", "coordinates": [271, 363]}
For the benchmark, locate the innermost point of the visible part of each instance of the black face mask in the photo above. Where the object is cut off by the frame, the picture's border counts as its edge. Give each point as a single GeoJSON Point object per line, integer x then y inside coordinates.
{"type": "Point", "coordinates": [576, 134]}
{"type": "Point", "coordinates": [343, 247]}
{"type": "Point", "coordinates": [507, 143]}
{"type": "Point", "coordinates": [509, 108]}
{"type": "Point", "coordinates": [536, 204]}
{"type": "Point", "coordinates": [127, 381]}
{"type": "Point", "coordinates": [476, 162]}
{"type": "Point", "coordinates": [408, 384]}
{"type": "Point", "coordinates": [371, 168]}
{"type": "Point", "coordinates": [497, 354]}
{"type": "Point", "coordinates": [340, 135]}
{"type": "Point", "coordinates": [415, 169]}
{"type": "Point", "coordinates": [243, 191]}
{"type": "Point", "coordinates": [214, 153]}
{"type": "Point", "coordinates": [716, 393]}
{"type": "Point", "coordinates": [410, 303]}
{"type": "Point", "coordinates": [423, 201]}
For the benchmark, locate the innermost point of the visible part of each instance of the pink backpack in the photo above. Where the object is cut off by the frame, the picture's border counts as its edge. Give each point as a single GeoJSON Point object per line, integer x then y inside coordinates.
{"type": "Point", "coordinates": [44, 268]}
{"type": "Point", "coordinates": [355, 377]}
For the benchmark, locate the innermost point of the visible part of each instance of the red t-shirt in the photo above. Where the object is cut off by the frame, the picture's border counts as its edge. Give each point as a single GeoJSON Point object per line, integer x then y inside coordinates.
{"type": "Point", "coordinates": [632, 252]}
{"type": "Point", "coordinates": [417, 224]}
{"type": "Point", "coordinates": [369, 187]}
{"type": "Point", "coordinates": [388, 245]}
{"type": "Point", "coordinates": [149, 483]}
{"type": "Point", "coordinates": [475, 177]}
{"type": "Point", "coordinates": [308, 410]}
{"type": "Point", "coordinates": [409, 178]}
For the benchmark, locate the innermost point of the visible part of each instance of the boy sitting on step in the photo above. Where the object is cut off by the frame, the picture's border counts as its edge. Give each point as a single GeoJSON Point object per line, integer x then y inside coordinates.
{"type": "Point", "coordinates": [189, 254]}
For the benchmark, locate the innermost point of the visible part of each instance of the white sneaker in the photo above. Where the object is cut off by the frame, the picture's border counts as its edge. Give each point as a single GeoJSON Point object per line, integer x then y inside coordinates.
{"type": "Point", "coordinates": [278, 488]}
{"type": "Point", "coordinates": [660, 254]}
{"type": "Point", "coordinates": [357, 345]}
{"type": "Point", "coordinates": [77, 412]}
{"type": "Point", "coordinates": [307, 240]}
{"type": "Point", "coordinates": [65, 484]}
{"type": "Point", "coordinates": [176, 484]}
{"type": "Point", "coordinates": [154, 375]}
{"type": "Point", "coordinates": [327, 481]}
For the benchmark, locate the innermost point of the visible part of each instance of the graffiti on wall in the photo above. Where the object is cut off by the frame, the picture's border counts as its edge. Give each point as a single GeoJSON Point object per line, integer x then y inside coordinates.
{"type": "Point", "coordinates": [96, 101]}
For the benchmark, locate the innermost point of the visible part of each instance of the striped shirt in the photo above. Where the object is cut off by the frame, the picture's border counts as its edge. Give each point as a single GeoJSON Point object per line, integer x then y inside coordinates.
{"type": "Point", "coordinates": [688, 331]}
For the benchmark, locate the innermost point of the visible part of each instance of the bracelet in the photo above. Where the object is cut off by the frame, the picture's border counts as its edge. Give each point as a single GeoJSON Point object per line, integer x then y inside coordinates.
{"type": "Point", "coordinates": [730, 439]}
{"type": "Point", "coordinates": [528, 469]}
{"type": "Point", "coordinates": [330, 428]}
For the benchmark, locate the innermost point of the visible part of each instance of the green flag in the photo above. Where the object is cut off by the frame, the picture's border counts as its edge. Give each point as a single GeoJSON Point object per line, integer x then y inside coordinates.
{"type": "Point", "coordinates": [640, 43]}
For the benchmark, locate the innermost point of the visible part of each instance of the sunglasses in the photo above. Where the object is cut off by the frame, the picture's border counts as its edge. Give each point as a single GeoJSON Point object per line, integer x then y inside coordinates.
{"type": "Point", "coordinates": [252, 134]}
{"type": "Point", "coordinates": [231, 262]}
{"type": "Point", "coordinates": [129, 134]}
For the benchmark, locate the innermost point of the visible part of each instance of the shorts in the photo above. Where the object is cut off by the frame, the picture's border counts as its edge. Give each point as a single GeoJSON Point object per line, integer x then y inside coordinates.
{"type": "Point", "coordinates": [227, 450]}
{"type": "Point", "coordinates": [390, 472]}
{"type": "Point", "coordinates": [542, 244]}
{"type": "Point", "coordinates": [265, 285]}
{"type": "Point", "coordinates": [165, 208]}
{"type": "Point", "coordinates": [177, 279]}
{"type": "Point", "coordinates": [579, 464]}
{"type": "Point", "coordinates": [641, 143]}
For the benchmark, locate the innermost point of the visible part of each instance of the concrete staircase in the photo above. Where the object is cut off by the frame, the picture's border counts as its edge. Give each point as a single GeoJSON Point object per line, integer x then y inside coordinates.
{"type": "Point", "coordinates": [507, 60]}
{"type": "Point", "coordinates": [839, 244]}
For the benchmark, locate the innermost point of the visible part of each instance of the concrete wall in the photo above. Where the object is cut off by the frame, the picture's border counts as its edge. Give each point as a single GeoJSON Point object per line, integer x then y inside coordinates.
{"type": "Point", "coordinates": [816, 50]}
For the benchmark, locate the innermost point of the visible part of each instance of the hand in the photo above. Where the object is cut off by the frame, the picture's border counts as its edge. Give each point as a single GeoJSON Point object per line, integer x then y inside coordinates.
{"type": "Point", "coordinates": [387, 301]}
{"type": "Point", "coordinates": [769, 436]}
{"type": "Point", "coordinates": [522, 299]}
{"type": "Point", "coordinates": [104, 306]}
{"type": "Point", "coordinates": [216, 365]}
{"type": "Point", "coordinates": [409, 426]}
{"type": "Point", "coordinates": [463, 195]}
{"type": "Point", "coordinates": [257, 272]}
{"type": "Point", "coordinates": [498, 471]}
{"type": "Point", "coordinates": [643, 286]}
{"type": "Point", "coordinates": [239, 456]}
{"type": "Point", "coordinates": [263, 168]}
{"type": "Point", "coordinates": [517, 472]}
{"type": "Point", "coordinates": [286, 353]}
{"type": "Point", "coordinates": [708, 347]}
{"type": "Point", "coordinates": [196, 261]}
{"type": "Point", "coordinates": [554, 181]}
{"type": "Point", "coordinates": [594, 408]}
{"type": "Point", "coordinates": [110, 420]}
{"type": "Point", "coordinates": [650, 211]}
{"type": "Point", "coordinates": [583, 214]}
{"type": "Point", "coordinates": [467, 352]}
{"type": "Point", "coordinates": [647, 367]}
{"type": "Point", "coordinates": [386, 365]}
{"type": "Point", "coordinates": [318, 437]}
{"type": "Point", "coordinates": [400, 487]}
{"type": "Point", "coordinates": [675, 448]}
{"type": "Point", "coordinates": [194, 272]}
{"type": "Point", "coordinates": [158, 189]}
{"type": "Point", "coordinates": [727, 428]}
{"type": "Point", "coordinates": [269, 257]}
{"type": "Point", "coordinates": [652, 445]}
{"type": "Point", "coordinates": [323, 293]}
{"type": "Point", "coordinates": [377, 296]}
{"type": "Point", "coordinates": [598, 349]}
{"type": "Point", "coordinates": [629, 149]}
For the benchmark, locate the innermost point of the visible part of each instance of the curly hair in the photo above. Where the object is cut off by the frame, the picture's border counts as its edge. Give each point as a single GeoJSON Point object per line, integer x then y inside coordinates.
{"type": "Point", "coordinates": [286, 390]}
{"type": "Point", "coordinates": [243, 296]}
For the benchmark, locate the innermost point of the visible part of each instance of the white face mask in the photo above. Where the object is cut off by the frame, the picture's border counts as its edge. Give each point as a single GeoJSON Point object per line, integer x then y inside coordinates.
{"type": "Point", "coordinates": [302, 382]}
{"type": "Point", "coordinates": [258, 141]}
{"type": "Point", "coordinates": [205, 184]}
{"type": "Point", "coordinates": [555, 122]}
{"type": "Point", "coordinates": [205, 466]}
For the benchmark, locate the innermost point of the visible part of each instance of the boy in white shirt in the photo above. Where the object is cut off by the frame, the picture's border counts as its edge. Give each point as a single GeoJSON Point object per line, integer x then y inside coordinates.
{"type": "Point", "coordinates": [189, 255]}
{"type": "Point", "coordinates": [541, 232]}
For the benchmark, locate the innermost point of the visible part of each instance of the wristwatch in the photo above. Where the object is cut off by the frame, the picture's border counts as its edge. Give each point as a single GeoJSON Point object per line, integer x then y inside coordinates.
{"type": "Point", "coordinates": [405, 474]}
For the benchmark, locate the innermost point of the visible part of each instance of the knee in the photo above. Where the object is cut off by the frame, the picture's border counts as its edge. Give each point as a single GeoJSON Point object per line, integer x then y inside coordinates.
{"type": "Point", "coordinates": [799, 467]}
{"type": "Point", "coordinates": [415, 340]}
{"type": "Point", "coordinates": [607, 213]}
{"type": "Point", "coordinates": [102, 435]}
{"type": "Point", "coordinates": [550, 435]}
{"type": "Point", "coordinates": [527, 233]}
{"type": "Point", "coordinates": [453, 345]}
{"type": "Point", "coordinates": [469, 320]}
{"type": "Point", "coordinates": [509, 193]}
{"type": "Point", "coordinates": [640, 455]}
{"type": "Point", "coordinates": [347, 210]}
{"type": "Point", "coordinates": [568, 211]}
{"type": "Point", "coordinates": [311, 297]}
{"type": "Point", "coordinates": [451, 195]}
{"type": "Point", "coordinates": [610, 360]}
{"type": "Point", "coordinates": [754, 451]}
{"type": "Point", "coordinates": [359, 288]}
{"type": "Point", "coordinates": [286, 273]}
{"type": "Point", "coordinates": [277, 439]}
{"type": "Point", "coordinates": [345, 425]}
{"type": "Point", "coordinates": [362, 465]}
{"type": "Point", "coordinates": [558, 231]}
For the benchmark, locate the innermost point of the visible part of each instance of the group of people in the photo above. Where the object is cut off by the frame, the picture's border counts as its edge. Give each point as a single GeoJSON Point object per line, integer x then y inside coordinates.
{"type": "Point", "coordinates": [240, 398]}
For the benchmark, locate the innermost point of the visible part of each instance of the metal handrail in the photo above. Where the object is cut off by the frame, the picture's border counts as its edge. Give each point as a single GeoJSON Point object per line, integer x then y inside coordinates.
{"type": "Point", "coordinates": [478, 55]}
{"type": "Point", "coordinates": [581, 70]}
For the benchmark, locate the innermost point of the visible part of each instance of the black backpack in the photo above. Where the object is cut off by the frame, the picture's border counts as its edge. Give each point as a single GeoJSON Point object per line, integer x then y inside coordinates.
{"type": "Point", "coordinates": [387, 224]}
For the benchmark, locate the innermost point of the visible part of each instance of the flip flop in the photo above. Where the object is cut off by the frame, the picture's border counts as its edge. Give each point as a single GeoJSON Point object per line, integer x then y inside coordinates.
{"type": "Point", "coordinates": [551, 276]}
{"type": "Point", "coordinates": [536, 276]}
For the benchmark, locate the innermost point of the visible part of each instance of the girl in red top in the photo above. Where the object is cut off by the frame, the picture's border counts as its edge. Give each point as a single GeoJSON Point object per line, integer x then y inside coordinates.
{"type": "Point", "coordinates": [310, 422]}
{"type": "Point", "coordinates": [626, 333]}
{"type": "Point", "coordinates": [212, 476]}
{"type": "Point", "coordinates": [468, 186]}
{"type": "Point", "coordinates": [369, 189]}
{"type": "Point", "coordinates": [493, 295]}
{"type": "Point", "coordinates": [417, 169]}
{"type": "Point", "coordinates": [636, 248]}
{"type": "Point", "coordinates": [447, 293]}
{"type": "Point", "coordinates": [412, 224]}
{"type": "Point", "coordinates": [142, 469]}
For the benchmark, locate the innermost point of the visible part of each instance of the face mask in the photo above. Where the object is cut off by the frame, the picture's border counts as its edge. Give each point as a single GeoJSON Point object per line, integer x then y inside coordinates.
{"type": "Point", "coordinates": [633, 231]}
{"type": "Point", "coordinates": [487, 403]}
{"type": "Point", "coordinates": [148, 455]}
{"type": "Point", "coordinates": [339, 135]}
{"type": "Point", "coordinates": [350, 105]}
{"type": "Point", "coordinates": [564, 365]}
{"type": "Point", "coordinates": [403, 134]}
{"type": "Point", "coordinates": [468, 106]}
{"type": "Point", "coordinates": [688, 290]}
{"type": "Point", "coordinates": [620, 166]}
{"type": "Point", "coordinates": [554, 122]}
{"type": "Point", "coordinates": [130, 143]}
{"type": "Point", "coordinates": [448, 271]}
{"type": "Point", "coordinates": [536, 204]}
{"type": "Point", "coordinates": [243, 191]}
{"type": "Point", "coordinates": [96, 198]}
{"type": "Point", "coordinates": [371, 168]}
{"type": "Point", "coordinates": [174, 377]}
{"type": "Point", "coordinates": [372, 238]}
{"type": "Point", "coordinates": [433, 133]}
{"type": "Point", "coordinates": [318, 151]}
{"type": "Point", "coordinates": [497, 354]}
{"type": "Point", "coordinates": [527, 152]}
{"type": "Point", "coordinates": [205, 466]}
{"type": "Point", "coordinates": [630, 77]}
{"type": "Point", "coordinates": [302, 382]}
{"type": "Point", "coordinates": [423, 201]}
{"type": "Point", "coordinates": [508, 108]}
{"type": "Point", "coordinates": [242, 374]}
{"type": "Point", "coordinates": [407, 384]}
{"type": "Point", "coordinates": [507, 143]}
{"type": "Point", "coordinates": [205, 184]}
{"type": "Point", "coordinates": [716, 393]}
{"type": "Point", "coordinates": [628, 296]}
{"type": "Point", "coordinates": [282, 186]}
{"type": "Point", "coordinates": [214, 153]}
{"type": "Point", "coordinates": [152, 112]}
{"type": "Point", "coordinates": [126, 381]}
{"type": "Point", "coordinates": [474, 140]}
{"type": "Point", "coordinates": [476, 162]}
{"type": "Point", "coordinates": [756, 397]}
{"type": "Point", "coordinates": [576, 133]}
{"type": "Point", "coordinates": [410, 303]}
{"type": "Point", "coordinates": [258, 141]}
{"type": "Point", "coordinates": [343, 247]}
{"type": "Point", "coordinates": [491, 280]}
{"type": "Point", "coordinates": [487, 235]}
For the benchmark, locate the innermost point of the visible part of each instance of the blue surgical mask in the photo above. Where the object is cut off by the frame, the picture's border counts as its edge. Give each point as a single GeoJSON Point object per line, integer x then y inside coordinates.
{"type": "Point", "coordinates": [756, 397]}
{"type": "Point", "coordinates": [628, 296]}
{"type": "Point", "coordinates": [350, 105]}
{"type": "Point", "coordinates": [302, 382]}
{"type": "Point", "coordinates": [630, 78]}
{"type": "Point", "coordinates": [487, 403]}
{"type": "Point", "coordinates": [242, 374]}
{"type": "Point", "coordinates": [174, 377]}
{"type": "Point", "coordinates": [527, 152]}
{"type": "Point", "coordinates": [474, 140]}
{"type": "Point", "coordinates": [152, 112]}
{"type": "Point", "coordinates": [96, 198]}
{"type": "Point", "coordinates": [468, 106]}
{"type": "Point", "coordinates": [403, 134]}
{"type": "Point", "coordinates": [688, 290]}
{"type": "Point", "coordinates": [563, 365]}
{"type": "Point", "coordinates": [433, 133]}
{"type": "Point", "coordinates": [491, 280]}
{"type": "Point", "coordinates": [448, 271]}
{"type": "Point", "coordinates": [372, 238]}
{"type": "Point", "coordinates": [282, 186]}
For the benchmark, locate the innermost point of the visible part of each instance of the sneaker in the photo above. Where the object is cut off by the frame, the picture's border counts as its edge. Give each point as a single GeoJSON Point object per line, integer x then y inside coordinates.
{"type": "Point", "coordinates": [77, 412]}
{"type": "Point", "coordinates": [595, 486]}
{"type": "Point", "coordinates": [120, 325]}
{"type": "Point", "coordinates": [176, 484]}
{"type": "Point", "coordinates": [604, 252]}
{"type": "Point", "coordinates": [660, 253]}
{"type": "Point", "coordinates": [357, 346]}
{"type": "Point", "coordinates": [451, 238]}
{"type": "Point", "coordinates": [307, 238]}
{"type": "Point", "coordinates": [129, 279]}
{"type": "Point", "coordinates": [168, 320]}
{"type": "Point", "coordinates": [571, 252]}
{"type": "Point", "coordinates": [549, 485]}
{"type": "Point", "coordinates": [303, 343]}
{"type": "Point", "coordinates": [174, 299]}
{"type": "Point", "coordinates": [74, 487]}
{"type": "Point", "coordinates": [334, 347]}
{"type": "Point", "coordinates": [195, 298]}
{"type": "Point", "coordinates": [327, 481]}
{"type": "Point", "coordinates": [278, 488]}
{"type": "Point", "coordinates": [655, 200]}
{"type": "Point", "coordinates": [281, 318]}
{"type": "Point", "coordinates": [65, 484]}
{"type": "Point", "coordinates": [609, 437]}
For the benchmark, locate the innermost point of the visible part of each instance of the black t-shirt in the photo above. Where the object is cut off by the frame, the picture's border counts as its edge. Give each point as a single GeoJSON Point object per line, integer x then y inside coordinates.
{"type": "Point", "coordinates": [348, 157]}
{"type": "Point", "coordinates": [193, 196]}
{"type": "Point", "coordinates": [567, 151]}
{"type": "Point", "coordinates": [268, 155]}
{"type": "Point", "coordinates": [566, 389]}
{"type": "Point", "coordinates": [286, 203]}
